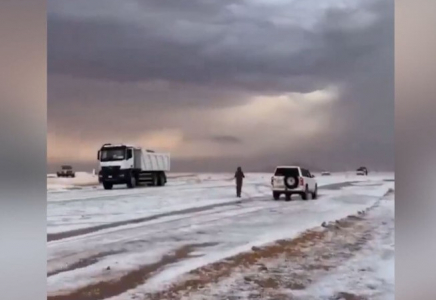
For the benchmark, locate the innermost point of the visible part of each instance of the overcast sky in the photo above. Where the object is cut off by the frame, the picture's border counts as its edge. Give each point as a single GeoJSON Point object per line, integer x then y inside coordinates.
{"type": "Point", "coordinates": [222, 83]}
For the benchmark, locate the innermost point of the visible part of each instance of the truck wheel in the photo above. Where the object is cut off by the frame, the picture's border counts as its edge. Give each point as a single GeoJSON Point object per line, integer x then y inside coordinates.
{"type": "Point", "coordinates": [160, 179]}
{"type": "Point", "coordinates": [107, 185]}
{"type": "Point", "coordinates": [288, 197]}
{"type": "Point", "coordinates": [315, 193]}
{"type": "Point", "coordinates": [276, 196]}
{"type": "Point", "coordinates": [132, 181]}
{"type": "Point", "coordinates": [163, 179]}
{"type": "Point", "coordinates": [156, 180]}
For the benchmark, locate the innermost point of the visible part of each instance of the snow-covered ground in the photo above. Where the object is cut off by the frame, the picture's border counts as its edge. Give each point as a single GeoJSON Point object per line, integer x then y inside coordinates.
{"type": "Point", "coordinates": [353, 260]}
{"type": "Point", "coordinates": [371, 273]}
{"type": "Point", "coordinates": [81, 179]}
{"type": "Point", "coordinates": [160, 234]}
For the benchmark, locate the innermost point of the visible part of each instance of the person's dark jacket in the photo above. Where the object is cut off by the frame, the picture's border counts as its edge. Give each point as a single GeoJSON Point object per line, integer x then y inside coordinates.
{"type": "Point", "coordinates": [239, 175]}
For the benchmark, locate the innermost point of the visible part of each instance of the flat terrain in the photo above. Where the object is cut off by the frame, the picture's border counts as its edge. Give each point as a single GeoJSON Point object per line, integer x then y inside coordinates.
{"type": "Point", "coordinates": [193, 239]}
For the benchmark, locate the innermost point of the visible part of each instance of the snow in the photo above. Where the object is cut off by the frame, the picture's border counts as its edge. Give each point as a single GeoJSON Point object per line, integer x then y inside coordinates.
{"type": "Point", "coordinates": [102, 207]}
{"type": "Point", "coordinates": [367, 272]}
{"type": "Point", "coordinates": [120, 265]}
{"type": "Point", "coordinates": [184, 191]}
{"type": "Point", "coordinates": [331, 209]}
{"type": "Point", "coordinates": [233, 229]}
{"type": "Point", "coordinates": [86, 179]}
{"type": "Point", "coordinates": [377, 259]}
{"type": "Point", "coordinates": [81, 179]}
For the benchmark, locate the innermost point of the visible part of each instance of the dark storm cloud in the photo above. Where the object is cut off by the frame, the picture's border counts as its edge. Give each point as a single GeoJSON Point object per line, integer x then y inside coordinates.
{"type": "Point", "coordinates": [224, 48]}
{"type": "Point", "coordinates": [102, 50]}
{"type": "Point", "coordinates": [217, 53]}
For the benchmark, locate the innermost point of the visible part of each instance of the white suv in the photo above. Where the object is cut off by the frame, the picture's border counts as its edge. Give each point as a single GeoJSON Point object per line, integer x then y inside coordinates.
{"type": "Point", "coordinates": [293, 180]}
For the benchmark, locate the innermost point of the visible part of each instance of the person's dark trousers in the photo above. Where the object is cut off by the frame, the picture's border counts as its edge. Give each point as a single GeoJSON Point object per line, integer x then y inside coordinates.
{"type": "Point", "coordinates": [238, 188]}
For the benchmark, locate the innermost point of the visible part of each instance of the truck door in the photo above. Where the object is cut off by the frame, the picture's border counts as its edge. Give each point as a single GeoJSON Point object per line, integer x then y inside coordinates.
{"type": "Point", "coordinates": [130, 159]}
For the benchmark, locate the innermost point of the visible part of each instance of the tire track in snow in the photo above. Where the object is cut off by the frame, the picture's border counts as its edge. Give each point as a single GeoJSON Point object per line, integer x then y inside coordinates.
{"type": "Point", "coordinates": [294, 208]}
{"type": "Point", "coordinates": [83, 231]}
{"type": "Point", "coordinates": [285, 259]}
{"type": "Point", "coordinates": [100, 194]}
{"type": "Point", "coordinates": [124, 236]}
{"type": "Point", "coordinates": [205, 219]}
{"type": "Point", "coordinates": [180, 231]}
{"type": "Point", "coordinates": [83, 263]}
{"type": "Point", "coordinates": [106, 289]}
{"type": "Point", "coordinates": [128, 234]}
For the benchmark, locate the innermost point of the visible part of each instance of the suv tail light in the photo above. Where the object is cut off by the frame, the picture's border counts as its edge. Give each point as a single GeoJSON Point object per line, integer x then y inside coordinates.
{"type": "Point", "coordinates": [301, 181]}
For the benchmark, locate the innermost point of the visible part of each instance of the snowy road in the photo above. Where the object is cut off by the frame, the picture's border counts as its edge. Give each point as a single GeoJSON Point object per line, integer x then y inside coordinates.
{"type": "Point", "coordinates": [140, 240]}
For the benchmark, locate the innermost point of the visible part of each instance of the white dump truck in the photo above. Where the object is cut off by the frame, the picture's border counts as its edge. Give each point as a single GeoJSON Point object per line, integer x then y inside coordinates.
{"type": "Point", "coordinates": [131, 165]}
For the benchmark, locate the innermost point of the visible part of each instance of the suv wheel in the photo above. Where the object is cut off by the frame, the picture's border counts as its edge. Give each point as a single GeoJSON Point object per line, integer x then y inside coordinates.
{"type": "Point", "coordinates": [315, 193]}
{"type": "Point", "coordinates": [276, 196]}
{"type": "Point", "coordinates": [107, 185]}
{"type": "Point", "coordinates": [305, 195]}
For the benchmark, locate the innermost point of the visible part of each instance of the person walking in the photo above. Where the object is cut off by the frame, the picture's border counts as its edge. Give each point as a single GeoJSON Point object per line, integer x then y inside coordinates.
{"type": "Point", "coordinates": [239, 175]}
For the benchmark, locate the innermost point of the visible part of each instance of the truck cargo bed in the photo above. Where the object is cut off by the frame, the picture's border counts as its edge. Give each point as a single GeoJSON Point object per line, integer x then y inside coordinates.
{"type": "Point", "coordinates": [148, 161]}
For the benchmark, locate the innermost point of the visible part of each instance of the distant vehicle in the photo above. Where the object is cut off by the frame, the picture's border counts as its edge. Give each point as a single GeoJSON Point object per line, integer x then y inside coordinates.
{"type": "Point", "coordinates": [289, 180]}
{"type": "Point", "coordinates": [326, 173]}
{"type": "Point", "coordinates": [66, 171]}
{"type": "Point", "coordinates": [130, 165]}
{"type": "Point", "coordinates": [362, 171]}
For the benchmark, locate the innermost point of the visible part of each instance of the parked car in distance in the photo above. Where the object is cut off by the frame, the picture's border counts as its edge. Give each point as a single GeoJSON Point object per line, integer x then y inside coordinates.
{"type": "Point", "coordinates": [326, 173]}
{"type": "Point", "coordinates": [289, 180]}
{"type": "Point", "coordinates": [66, 171]}
{"type": "Point", "coordinates": [362, 171]}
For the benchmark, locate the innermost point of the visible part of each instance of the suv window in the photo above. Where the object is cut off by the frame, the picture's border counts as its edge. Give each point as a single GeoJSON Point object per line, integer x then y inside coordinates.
{"type": "Point", "coordinates": [305, 173]}
{"type": "Point", "coordinates": [287, 172]}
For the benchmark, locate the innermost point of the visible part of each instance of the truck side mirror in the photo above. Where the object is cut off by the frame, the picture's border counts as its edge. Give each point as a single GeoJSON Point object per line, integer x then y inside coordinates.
{"type": "Point", "coordinates": [98, 155]}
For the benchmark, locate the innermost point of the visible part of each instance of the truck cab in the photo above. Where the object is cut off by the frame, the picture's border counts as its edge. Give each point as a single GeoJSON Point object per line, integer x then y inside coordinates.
{"type": "Point", "coordinates": [116, 156]}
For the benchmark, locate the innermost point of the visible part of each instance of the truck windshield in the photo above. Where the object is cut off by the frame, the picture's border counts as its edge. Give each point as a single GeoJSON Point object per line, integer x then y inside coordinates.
{"type": "Point", "coordinates": [112, 154]}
